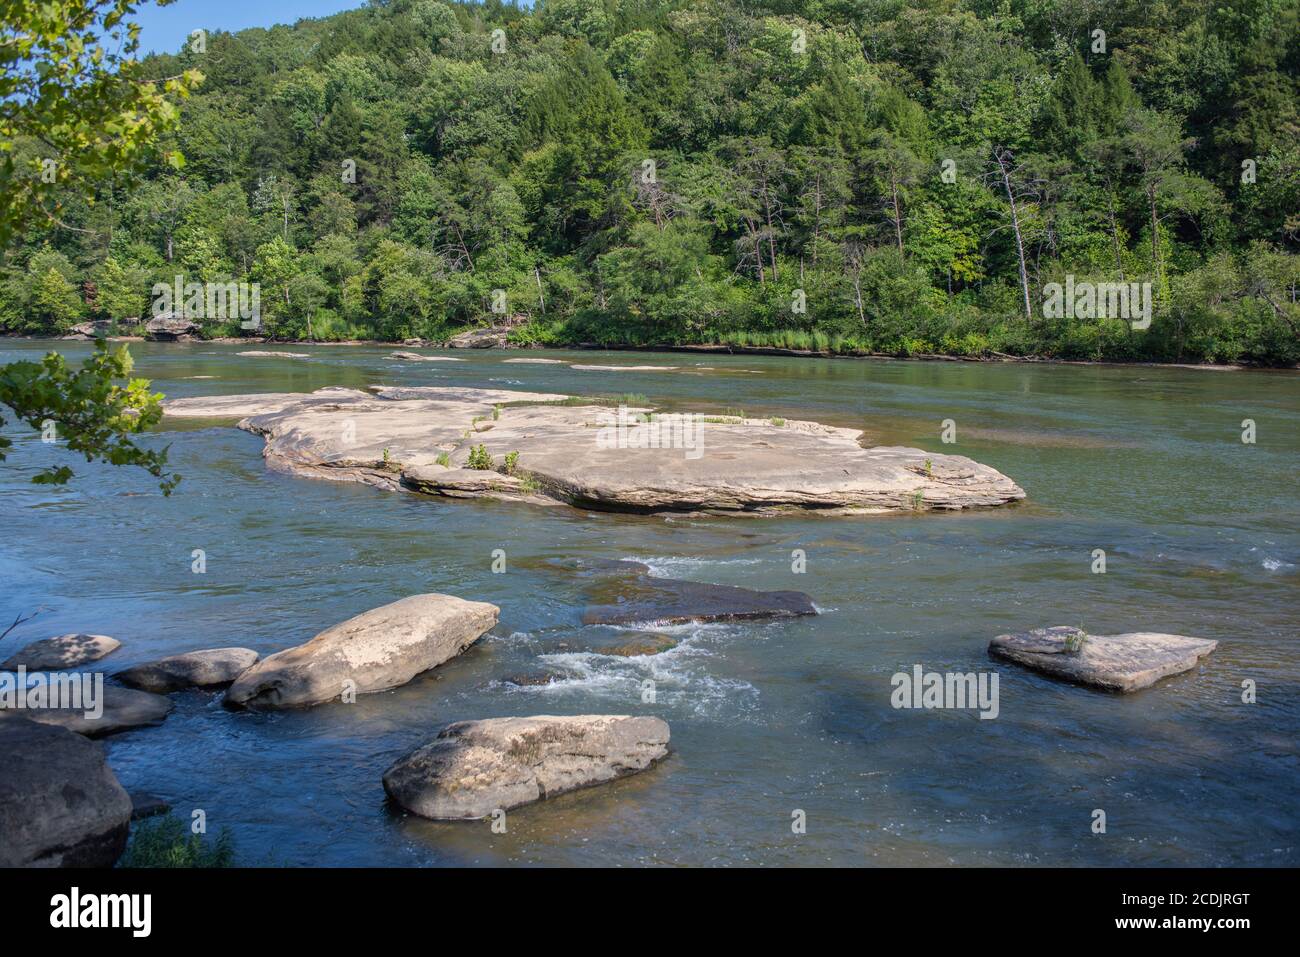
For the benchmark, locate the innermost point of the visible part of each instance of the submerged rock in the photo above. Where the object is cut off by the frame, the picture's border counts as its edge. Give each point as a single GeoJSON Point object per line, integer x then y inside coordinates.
{"type": "Point", "coordinates": [641, 597]}
{"type": "Point", "coordinates": [578, 454]}
{"type": "Point", "coordinates": [64, 651]}
{"type": "Point", "coordinates": [473, 768]}
{"type": "Point", "coordinates": [416, 357]}
{"type": "Point", "coordinates": [60, 803]}
{"type": "Point", "coordinates": [146, 805]}
{"type": "Point", "coordinates": [377, 650]}
{"type": "Point", "coordinates": [122, 709]}
{"type": "Point", "coordinates": [1122, 663]}
{"type": "Point", "coordinates": [194, 669]}
{"type": "Point", "coordinates": [635, 646]}
{"type": "Point", "coordinates": [533, 679]}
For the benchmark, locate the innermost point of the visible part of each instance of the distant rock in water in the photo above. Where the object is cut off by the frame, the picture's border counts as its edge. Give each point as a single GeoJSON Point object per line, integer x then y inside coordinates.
{"type": "Point", "coordinates": [583, 455]}
{"type": "Point", "coordinates": [60, 803]}
{"type": "Point", "coordinates": [416, 357]}
{"type": "Point", "coordinates": [1121, 663]}
{"type": "Point", "coordinates": [194, 669]}
{"type": "Point", "coordinates": [641, 597]}
{"type": "Point", "coordinates": [377, 650]}
{"type": "Point", "coordinates": [473, 768]}
{"type": "Point", "coordinates": [64, 651]}
{"type": "Point", "coordinates": [268, 354]}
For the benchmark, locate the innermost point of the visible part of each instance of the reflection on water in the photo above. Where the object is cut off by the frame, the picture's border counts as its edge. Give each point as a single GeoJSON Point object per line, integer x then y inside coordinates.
{"type": "Point", "coordinates": [1201, 534]}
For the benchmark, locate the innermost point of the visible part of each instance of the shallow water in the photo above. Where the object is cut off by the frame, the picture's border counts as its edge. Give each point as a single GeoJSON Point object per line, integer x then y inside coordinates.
{"type": "Point", "coordinates": [1201, 534]}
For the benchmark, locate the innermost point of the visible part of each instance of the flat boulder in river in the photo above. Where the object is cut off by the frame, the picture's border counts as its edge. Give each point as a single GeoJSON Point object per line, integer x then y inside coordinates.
{"type": "Point", "coordinates": [639, 596]}
{"type": "Point", "coordinates": [120, 709]}
{"type": "Point", "coordinates": [1121, 663]}
{"type": "Point", "coordinates": [589, 457]}
{"type": "Point", "coordinates": [194, 669]}
{"type": "Point", "coordinates": [377, 650]}
{"type": "Point", "coordinates": [473, 768]}
{"type": "Point", "coordinates": [64, 651]}
{"type": "Point", "coordinates": [60, 804]}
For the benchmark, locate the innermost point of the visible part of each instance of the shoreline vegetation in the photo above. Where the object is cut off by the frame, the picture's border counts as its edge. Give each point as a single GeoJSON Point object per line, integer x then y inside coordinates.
{"type": "Point", "coordinates": [915, 180]}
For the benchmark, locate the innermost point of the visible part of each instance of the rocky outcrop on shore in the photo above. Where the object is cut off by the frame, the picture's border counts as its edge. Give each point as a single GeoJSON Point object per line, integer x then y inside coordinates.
{"type": "Point", "coordinates": [473, 768]}
{"type": "Point", "coordinates": [171, 328]}
{"type": "Point", "coordinates": [489, 337]}
{"type": "Point", "coordinates": [583, 455]}
{"type": "Point", "coordinates": [377, 650]}
{"type": "Point", "coordinates": [1120, 663]}
{"type": "Point", "coordinates": [210, 668]}
{"type": "Point", "coordinates": [63, 651]}
{"type": "Point", "coordinates": [60, 804]}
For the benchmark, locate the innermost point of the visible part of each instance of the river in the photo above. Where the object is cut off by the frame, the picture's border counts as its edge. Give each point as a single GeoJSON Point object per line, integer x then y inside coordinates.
{"type": "Point", "coordinates": [1201, 534]}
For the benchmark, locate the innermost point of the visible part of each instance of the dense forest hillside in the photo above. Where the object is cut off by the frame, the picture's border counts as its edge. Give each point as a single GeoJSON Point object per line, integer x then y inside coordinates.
{"type": "Point", "coordinates": [897, 176]}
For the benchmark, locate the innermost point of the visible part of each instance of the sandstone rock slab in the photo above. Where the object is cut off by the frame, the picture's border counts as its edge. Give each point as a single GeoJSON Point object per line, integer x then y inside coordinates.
{"type": "Point", "coordinates": [63, 651]}
{"type": "Point", "coordinates": [583, 455]}
{"type": "Point", "coordinates": [374, 651]}
{"type": "Point", "coordinates": [193, 669]}
{"type": "Point", "coordinates": [473, 768]}
{"type": "Point", "coordinates": [60, 803]}
{"type": "Point", "coordinates": [1120, 663]}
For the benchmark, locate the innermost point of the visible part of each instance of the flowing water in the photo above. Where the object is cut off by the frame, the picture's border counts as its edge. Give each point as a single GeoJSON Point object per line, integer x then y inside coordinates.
{"type": "Point", "coordinates": [1201, 533]}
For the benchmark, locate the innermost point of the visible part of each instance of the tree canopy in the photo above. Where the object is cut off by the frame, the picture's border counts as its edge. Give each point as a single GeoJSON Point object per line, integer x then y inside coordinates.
{"type": "Point", "coordinates": [894, 176]}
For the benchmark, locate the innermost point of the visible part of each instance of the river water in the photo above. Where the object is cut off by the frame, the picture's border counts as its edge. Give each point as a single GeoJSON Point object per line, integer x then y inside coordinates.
{"type": "Point", "coordinates": [1201, 533]}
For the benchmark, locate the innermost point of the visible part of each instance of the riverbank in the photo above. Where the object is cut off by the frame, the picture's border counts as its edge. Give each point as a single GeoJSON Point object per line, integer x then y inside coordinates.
{"type": "Point", "coordinates": [701, 348]}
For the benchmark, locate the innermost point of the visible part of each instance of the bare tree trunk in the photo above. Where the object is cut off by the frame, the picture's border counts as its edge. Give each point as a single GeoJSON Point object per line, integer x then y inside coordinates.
{"type": "Point", "coordinates": [1002, 159]}
{"type": "Point", "coordinates": [1155, 231]}
{"type": "Point", "coordinates": [541, 296]}
{"type": "Point", "coordinates": [898, 214]}
{"type": "Point", "coordinates": [1114, 236]}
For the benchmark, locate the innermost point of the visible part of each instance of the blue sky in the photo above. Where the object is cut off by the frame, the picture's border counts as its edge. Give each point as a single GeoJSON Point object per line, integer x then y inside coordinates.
{"type": "Point", "coordinates": [165, 29]}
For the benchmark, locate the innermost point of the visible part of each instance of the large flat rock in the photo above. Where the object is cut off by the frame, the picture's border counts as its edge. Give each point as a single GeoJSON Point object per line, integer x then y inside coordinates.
{"type": "Point", "coordinates": [571, 453]}
{"type": "Point", "coordinates": [473, 768]}
{"type": "Point", "coordinates": [1121, 663]}
{"type": "Point", "coordinates": [123, 709]}
{"type": "Point", "coordinates": [63, 651]}
{"type": "Point", "coordinates": [210, 668]}
{"type": "Point", "coordinates": [240, 406]}
{"type": "Point", "coordinates": [60, 804]}
{"type": "Point", "coordinates": [378, 649]}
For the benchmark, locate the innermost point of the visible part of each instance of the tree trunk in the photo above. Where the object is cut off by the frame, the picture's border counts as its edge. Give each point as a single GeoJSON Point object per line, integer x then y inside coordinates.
{"type": "Point", "coordinates": [898, 215]}
{"type": "Point", "coordinates": [1015, 226]}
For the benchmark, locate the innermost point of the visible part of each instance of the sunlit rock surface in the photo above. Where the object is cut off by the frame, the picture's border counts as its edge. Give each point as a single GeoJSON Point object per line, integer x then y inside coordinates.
{"type": "Point", "coordinates": [583, 454]}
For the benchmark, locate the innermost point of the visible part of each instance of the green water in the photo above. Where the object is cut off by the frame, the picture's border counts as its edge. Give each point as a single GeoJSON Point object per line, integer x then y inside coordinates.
{"type": "Point", "coordinates": [1201, 534]}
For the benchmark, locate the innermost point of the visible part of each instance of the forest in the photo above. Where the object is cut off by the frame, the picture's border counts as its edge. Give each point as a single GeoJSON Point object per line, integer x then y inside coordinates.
{"type": "Point", "coordinates": [898, 177]}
